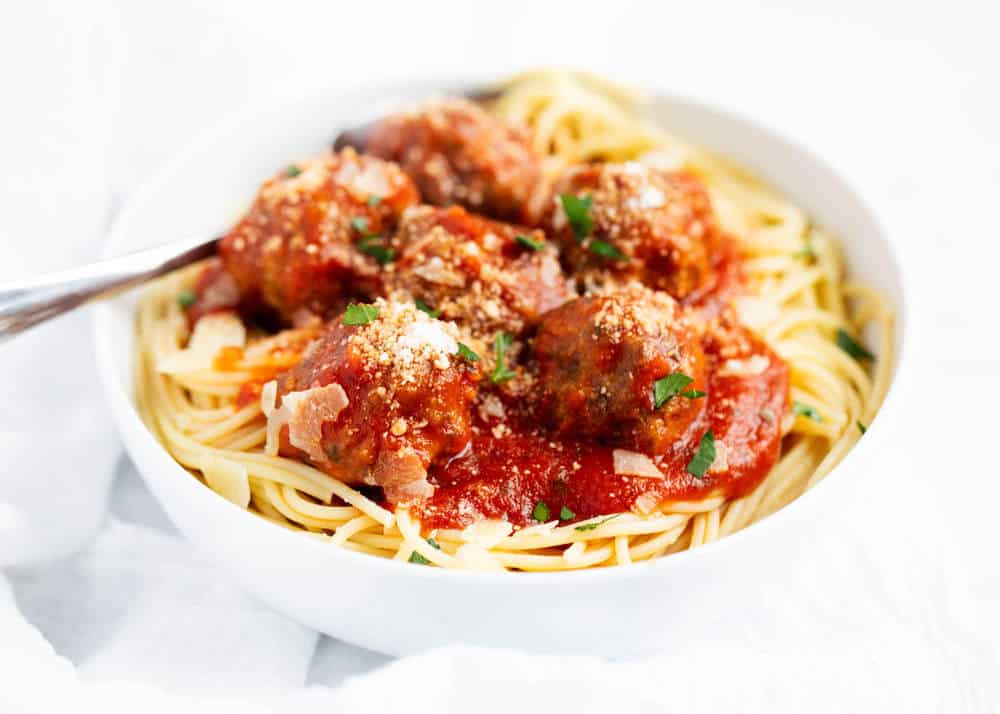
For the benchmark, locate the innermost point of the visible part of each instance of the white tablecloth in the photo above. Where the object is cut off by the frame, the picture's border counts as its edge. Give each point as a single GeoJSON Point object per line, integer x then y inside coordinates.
{"type": "Point", "coordinates": [104, 607]}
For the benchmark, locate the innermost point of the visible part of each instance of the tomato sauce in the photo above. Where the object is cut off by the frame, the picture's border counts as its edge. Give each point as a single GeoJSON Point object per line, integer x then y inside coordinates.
{"type": "Point", "coordinates": [505, 475]}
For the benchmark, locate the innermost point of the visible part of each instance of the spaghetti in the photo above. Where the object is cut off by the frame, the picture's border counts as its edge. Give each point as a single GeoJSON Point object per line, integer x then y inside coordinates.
{"type": "Point", "coordinates": [192, 385]}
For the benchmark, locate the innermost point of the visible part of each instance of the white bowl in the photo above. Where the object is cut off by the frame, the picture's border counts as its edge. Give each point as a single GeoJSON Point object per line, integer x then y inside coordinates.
{"type": "Point", "coordinates": [399, 608]}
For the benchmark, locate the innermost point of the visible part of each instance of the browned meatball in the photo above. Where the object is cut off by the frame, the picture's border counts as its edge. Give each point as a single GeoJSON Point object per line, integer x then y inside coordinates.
{"type": "Point", "coordinates": [599, 358]}
{"type": "Point", "coordinates": [457, 153]}
{"type": "Point", "coordinates": [314, 234]}
{"type": "Point", "coordinates": [641, 223]}
{"type": "Point", "coordinates": [488, 276]}
{"type": "Point", "coordinates": [377, 404]}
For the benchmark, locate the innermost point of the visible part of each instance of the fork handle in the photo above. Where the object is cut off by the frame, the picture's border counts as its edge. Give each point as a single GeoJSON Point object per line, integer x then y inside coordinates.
{"type": "Point", "coordinates": [24, 304]}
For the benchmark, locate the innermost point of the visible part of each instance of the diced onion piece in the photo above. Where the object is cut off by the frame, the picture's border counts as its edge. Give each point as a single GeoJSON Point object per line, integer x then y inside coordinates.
{"type": "Point", "coordinates": [211, 334]}
{"type": "Point", "coordinates": [473, 556]}
{"type": "Point", "coordinates": [632, 463]}
{"type": "Point", "coordinates": [227, 478]}
{"type": "Point", "coordinates": [487, 533]}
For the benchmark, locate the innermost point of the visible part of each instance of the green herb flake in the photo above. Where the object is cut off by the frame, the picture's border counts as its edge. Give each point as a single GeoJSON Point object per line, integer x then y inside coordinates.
{"type": "Point", "coordinates": [852, 347]}
{"type": "Point", "coordinates": [861, 427]}
{"type": "Point", "coordinates": [186, 298]}
{"type": "Point", "coordinates": [529, 242]}
{"type": "Point", "coordinates": [358, 314]}
{"type": "Point", "coordinates": [694, 394]}
{"type": "Point", "coordinates": [374, 200]}
{"type": "Point", "coordinates": [360, 224]}
{"type": "Point", "coordinates": [565, 514]}
{"type": "Point", "coordinates": [807, 252]}
{"type": "Point", "coordinates": [705, 457]}
{"type": "Point", "coordinates": [800, 409]}
{"type": "Point", "coordinates": [292, 171]}
{"type": "Point", "coordinates": [606, 250]}
{"type": "Point", "coordinates": [594, 524]}
{"type": "Point", "coordinates": [371, 246]}
{"type": "Point", "coordinates": [501, 343]}
{"type": "Point", "coordinates": [666, 388]}
{"type": "Point", "coordinates": [541, 512]}
{"type": "Point", "coordinates": [578, 213]}
{"type": "Point", "coordinates": [466, 353]}
{"type": "Point", "coordinates": [415, 557]}
{"type": "Point", "coordinates": [424, 307]}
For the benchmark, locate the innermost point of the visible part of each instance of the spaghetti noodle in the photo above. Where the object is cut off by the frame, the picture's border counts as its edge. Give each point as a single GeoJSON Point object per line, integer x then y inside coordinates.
{"type": "Point", "coordinates": [191, 384]}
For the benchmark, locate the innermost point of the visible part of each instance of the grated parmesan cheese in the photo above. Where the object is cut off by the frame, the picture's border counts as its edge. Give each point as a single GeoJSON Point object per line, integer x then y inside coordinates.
{"type": "Point", "coordinates": [745, 367]}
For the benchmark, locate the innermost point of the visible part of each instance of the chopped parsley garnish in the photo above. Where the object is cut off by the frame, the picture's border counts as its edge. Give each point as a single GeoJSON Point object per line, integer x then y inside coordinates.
{"type": "Point", "coordinates": [578, 213]}
{"type": "Point", "coordinates": [861, 427]}
{"type": "Point", "coordinates": [424, 307]}
{"type": "Point", "coordinates": [501, 343]}
{"type": "Point", "coordinates": [806, 252]}
{"type": "Point", "coordinates": [358, 314]}
{"type": "Point", "coordinates": [292, 171]}
{"type": "Point", "coordinates": [593, 524]}
{"type": "Point", "coordinates": [374, 200]}
{"type": "Point", "coordinates": [415, 557]}
{"type": "Point", "coordinates": [370, 245]}
{"type": "Point", "coordinates": [606, 250]}
{"type": "Point", "coordinates": [666, 388]}
{"type": "Point", "coordinates": [541, 512]}
{"type": "Point", "coordinates": [800, 409]}
{"type": "Point", "coordinates": [529, 242]}
{"type": "Point", "coordinates": [565, 514]}
{"type": "Point", "coordinates": [186, 298]}
{"type": "Point", "coordinates": [851, 346]}
{"type": "Point", "coordinates": [465, 352]}
{"type": "Point", "coordinates": [705, 457]}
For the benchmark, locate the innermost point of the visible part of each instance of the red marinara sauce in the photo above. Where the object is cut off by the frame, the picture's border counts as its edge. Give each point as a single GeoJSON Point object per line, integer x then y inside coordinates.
{"type": "Point", "coordinates": [504, 475]}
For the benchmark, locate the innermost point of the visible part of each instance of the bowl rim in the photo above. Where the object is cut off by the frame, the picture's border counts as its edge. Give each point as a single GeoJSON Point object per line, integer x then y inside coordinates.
{"type": "Point", "coordinates": [124, 408]}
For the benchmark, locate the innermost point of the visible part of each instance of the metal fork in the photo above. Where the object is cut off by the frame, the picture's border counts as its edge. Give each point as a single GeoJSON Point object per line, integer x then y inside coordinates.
{"type": "Point", "coordinates": [26, 303]}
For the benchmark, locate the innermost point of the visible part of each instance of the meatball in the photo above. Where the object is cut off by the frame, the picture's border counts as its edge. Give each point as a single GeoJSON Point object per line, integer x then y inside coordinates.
{"type": "Point", "coordinates": [488, 276]}
{"type": "Point", "coordinates": [457, 153]}
{"type": "Point", "coordinates": [599, 359]}
{"type": "Point", "coordinates": [376, 404]}
{"type": "Point", "coordinates": [314, 234]}
{"type": "Point", "coordinates": [629, 221]}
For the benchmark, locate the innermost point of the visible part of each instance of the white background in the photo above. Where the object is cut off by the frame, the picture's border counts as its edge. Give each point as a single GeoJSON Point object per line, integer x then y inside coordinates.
{"type": "Point", "coordinates": [900, 611]}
